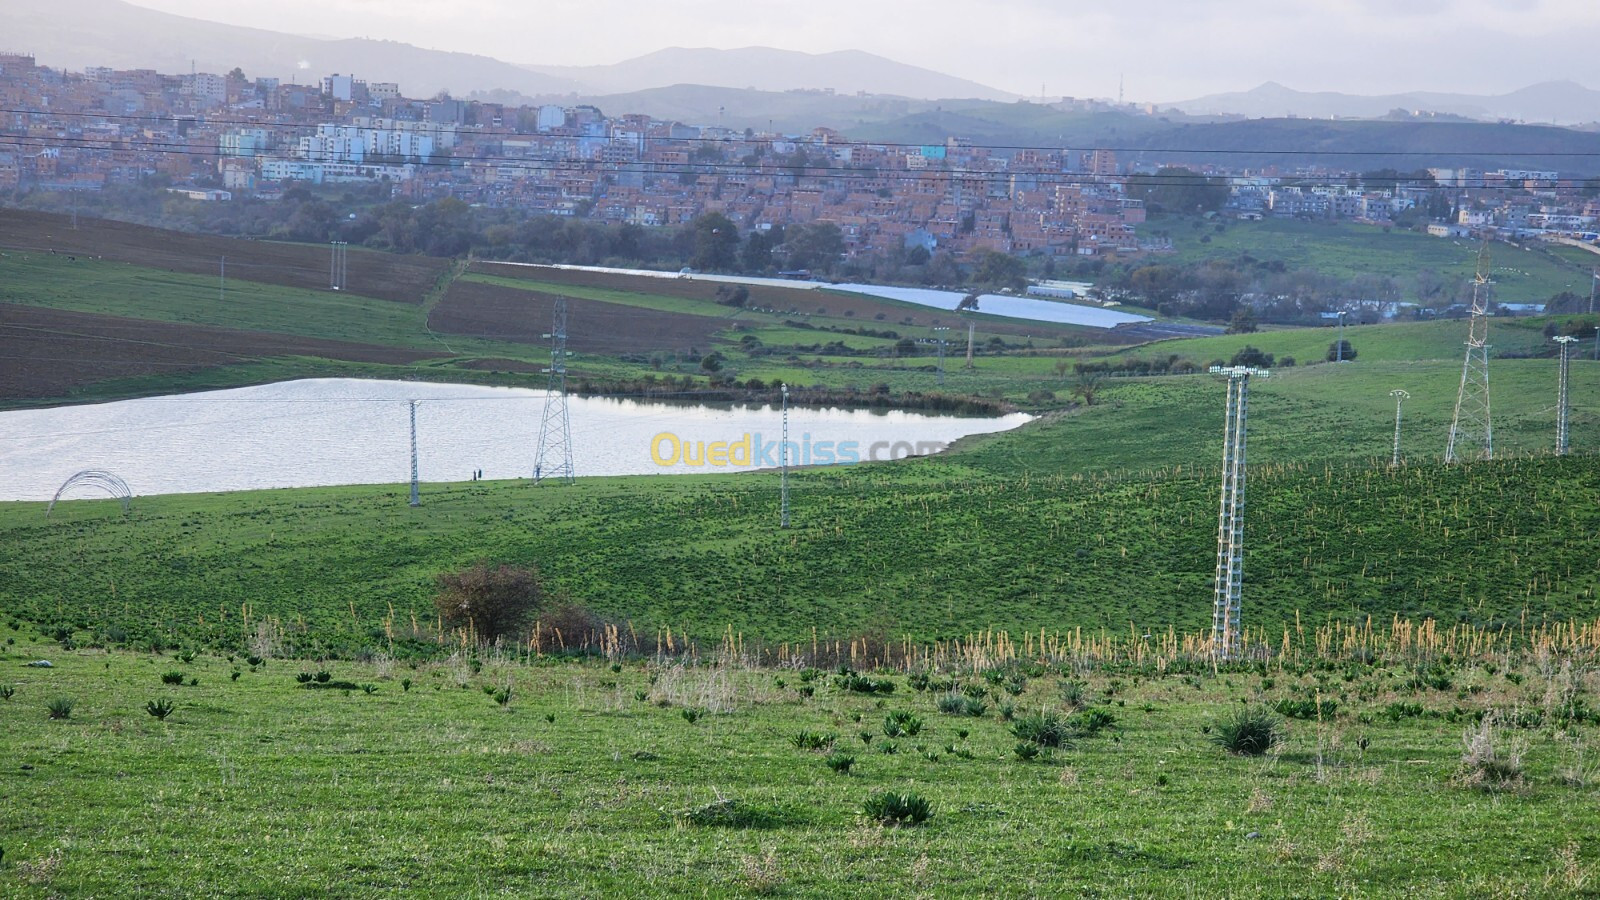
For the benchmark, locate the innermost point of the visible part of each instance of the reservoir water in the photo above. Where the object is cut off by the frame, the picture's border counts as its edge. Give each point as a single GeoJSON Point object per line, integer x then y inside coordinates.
{"type": "Point", "coordinates": [350, 431]}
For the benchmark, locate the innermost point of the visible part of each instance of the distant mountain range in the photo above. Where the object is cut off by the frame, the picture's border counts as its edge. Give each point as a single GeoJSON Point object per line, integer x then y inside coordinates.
{"type": "Point", "coordinates": [1548, 103]}
{"type": "Point", "coordinates": [75, 34]}
{"type": "Point", "coordinates": [769, 69]}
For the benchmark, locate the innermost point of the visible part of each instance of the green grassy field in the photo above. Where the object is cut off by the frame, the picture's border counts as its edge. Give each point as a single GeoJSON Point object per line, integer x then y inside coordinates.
{"type": "Point", "coordinates": [670, 778]}
{"type": "Point", "coordinates": [1347, 250]}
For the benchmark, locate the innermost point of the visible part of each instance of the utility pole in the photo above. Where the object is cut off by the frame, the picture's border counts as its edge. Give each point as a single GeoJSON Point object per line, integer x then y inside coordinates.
{"type": "Point", "coordinates": [1340, 344]}
{"type": "Point", "coordinates": [222, 279]}
{"type": "Point", "coordinates": [1226, 638]}
{"type": "Point", "coordinates": [1399, 398]}
{"type": "Point", "coordinates": [783, 465]}
{"type": "Point", "coordinates": [939, 332]}
{"type": "Point", "coordinates": [1471, 423]}
{"type": "Point", "coordinates": [554, 459]}
{"type": "Point", "coordinates": [971, 328]}
{"type": "Point", "coordinates": [415, 500]}
{"type": "Point", "coordinates": [1565, 341]}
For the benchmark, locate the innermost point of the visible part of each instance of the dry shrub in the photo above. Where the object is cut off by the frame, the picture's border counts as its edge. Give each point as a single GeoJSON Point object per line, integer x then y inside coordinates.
{"type": "Point", "coordinates": [1490, 760]}
{"type": "Point", "coordinates": [761, 874]}
{"type": "Point", "coordinates": [42, 870]}
{"type": "Point", "coordinates": [492, 601]}
{"type": "Point", "coordinates": [1260, 802]}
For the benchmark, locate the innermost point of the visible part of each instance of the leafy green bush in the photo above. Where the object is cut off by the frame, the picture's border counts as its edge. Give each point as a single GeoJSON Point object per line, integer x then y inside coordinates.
{"type": "Point", "coordinates": [1394, 712]}
{"type": "Point", "coordinates": [253, 660]}
{"type": "Point", "coordinates": [691, 715]}
{"type": "Point", "coordinates": [370, 689]}
{"type": "Point", "coordinates": [172, 678]}
{"type": "Point", "coordinates": [322, 677]}
{"type": "Point", "coordinates": [1307, 709]}
{"type": "Point", "coordinates": [863, 684]}
{"type": "Point", "coordinates": [1027, 751]}
{"type": "Point", "coordinates": [1044, 728]}
{"type": "Point", "coordinates": [303, 678]}
{"type": "Point", "coordinates": [7, 692]}
{"type": "Point", "coordinates": [1251, 731]}
{"type": "Point", "coordinates": [902, 724]}
{"type": "Point", "coordinates": [1072, 694]}
{"type": "Point", "coordinates": [1090, 722]}
{"type": "Point", "coordinates": [160, 708]}
{"type": "Point", "coordinates": [814, 740]}
{"type": "Point", "coordinates": [896, 810]}
{"type": "Point", "coordinates": [405, 685]}
{"type": "Point", "coordinates": [959, 705]}
{"type": "Point", "coordinates": [60, 708]}
{"type": "Point", "coordinates": [840, 762]}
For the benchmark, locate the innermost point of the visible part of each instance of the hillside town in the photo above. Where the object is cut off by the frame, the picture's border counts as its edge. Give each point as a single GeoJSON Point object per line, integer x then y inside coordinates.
{"type": "Point", "coordinates": [215, 137]}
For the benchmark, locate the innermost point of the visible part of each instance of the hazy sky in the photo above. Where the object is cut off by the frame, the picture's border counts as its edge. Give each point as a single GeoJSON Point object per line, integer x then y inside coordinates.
{"type": "Point", "coordinates": [1164, 49]}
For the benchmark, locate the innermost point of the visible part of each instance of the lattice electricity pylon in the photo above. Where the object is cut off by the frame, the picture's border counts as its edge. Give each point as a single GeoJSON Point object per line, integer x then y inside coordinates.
{"type": "Point", "coordinates": [1565, 341]}
{"type": "Point", "coordinates": [1471, 431]}
{"type": "Point", "coordinates": [783, 469]}
{"type": "Point", "coordinates": [555, 429]}
{"type": "Point", "coordinates": [1400, 397]}
{"type": "Point", "coordinates": [338, 264]}
{"type": "Point", "coordinates": [1226, 637]}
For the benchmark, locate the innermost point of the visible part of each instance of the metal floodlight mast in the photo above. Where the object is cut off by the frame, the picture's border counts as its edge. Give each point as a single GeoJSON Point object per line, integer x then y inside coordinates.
{"type": "Point", "coordinates": [554, 459]}
{"type": "Point", "coordinates": [1399, 398]}
{"type": "Point", "coordinates": [1471, 430]}
{"type": "Point", "coordinates": [783, 464]}
{"type": "Point", "coordinates": [1565, 341]}
{"type": "Point", "coordinates": [1226, 636]}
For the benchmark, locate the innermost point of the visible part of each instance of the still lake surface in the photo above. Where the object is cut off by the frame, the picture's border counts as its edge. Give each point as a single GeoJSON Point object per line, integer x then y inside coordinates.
{"type": "Point", "coordinates": [349, 431]}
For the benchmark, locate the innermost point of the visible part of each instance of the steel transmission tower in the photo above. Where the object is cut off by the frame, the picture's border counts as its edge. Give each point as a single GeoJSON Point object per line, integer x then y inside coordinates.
{"type": "Point", "coordinates": [1399, 398]}
{"type": "Point", "coordinates": [1471, 432]}
{"type": "Point", "coordinates": [783, 462]}
{"type": "Point", "coordinates": [1565, 341]}
{"type": "Point", "coordinates": [1225, 635]}
{"type": "Point", "coordinates": [337, 264]}
{"type": "Point", "coordinates": [555, 429]}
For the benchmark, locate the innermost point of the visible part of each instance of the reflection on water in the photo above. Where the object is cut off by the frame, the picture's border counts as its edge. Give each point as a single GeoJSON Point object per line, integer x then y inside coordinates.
{"type": "Point", "coordinates": [349, 431]}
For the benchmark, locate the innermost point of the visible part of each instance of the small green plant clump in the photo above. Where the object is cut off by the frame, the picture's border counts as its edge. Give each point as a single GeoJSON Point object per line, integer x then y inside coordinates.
{"type": "Point", "coordinates": [891, 809]}
{"type": "Point", "coordinates": [1072, 694]}
{"type": "Point", "coordinates": [303, 678]}
{"type": "Point", "coordinates": [726, 812]}
{"type": "Point", "coordinates": [863, 684]}
{"type": "Point", "coordinates": [814, 740]}
{"type": "Point", "coordinates": [7, 692]}
{"type": "Point", "coordinates": [902, 724]}
{"type": "Point", "coordinates": [160, 708]}
{"type": "Point", "coordinates": [1090, 722]}
{"type": "Point", "coordinates": [1251, 731]}
{"type": "Point", "coordinates": [1322, 707]}
{"type": "Point", "coordinates": [172, 678]}
{"type": "Point", "coordinates": [691, 715]}
{"type": "Point", "coordinates": [961, 705]}
{"type": "Point", "coordinates": [1044, 728]}
{"type": "Point", "coordinates": [60, 708]}
{"type": "Point", "coordinates": [840, 762]}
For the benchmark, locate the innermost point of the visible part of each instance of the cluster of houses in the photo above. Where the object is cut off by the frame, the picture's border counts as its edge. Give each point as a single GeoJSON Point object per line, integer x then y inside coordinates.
{"type": "Point", "coordinates": [220, 136]}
